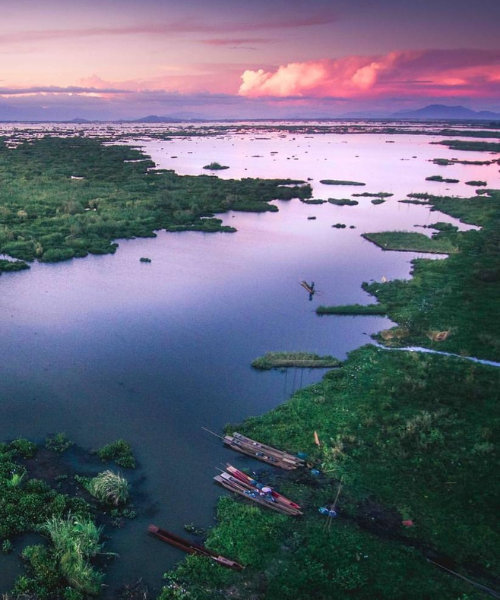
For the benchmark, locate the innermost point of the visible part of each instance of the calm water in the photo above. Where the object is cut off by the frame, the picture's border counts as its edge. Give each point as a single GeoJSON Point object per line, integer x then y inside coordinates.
{"type": "Point", "coordinates": [109, 347]}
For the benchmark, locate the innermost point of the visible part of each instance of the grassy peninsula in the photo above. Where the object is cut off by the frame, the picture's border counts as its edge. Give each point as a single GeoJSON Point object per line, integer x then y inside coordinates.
{"type": "Point", "coordinates": [410, 241]}
{"type": "Point", "coordinates": [66, 198]}
{"type": "Point", "coordinates": [412, 438]}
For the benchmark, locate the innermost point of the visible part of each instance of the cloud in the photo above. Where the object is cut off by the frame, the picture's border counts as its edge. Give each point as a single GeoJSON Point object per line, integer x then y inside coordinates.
{"type": "Point", "coordinates": [236, 42]}
{"type": "Point", "coordinates": [462, 71]}
{"type": "Point", "coordinates": [180, 26]}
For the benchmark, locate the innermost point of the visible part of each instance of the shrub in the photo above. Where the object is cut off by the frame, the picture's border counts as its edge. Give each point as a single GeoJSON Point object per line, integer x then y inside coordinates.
{"type": "Point", "coordinates": [109, 488]}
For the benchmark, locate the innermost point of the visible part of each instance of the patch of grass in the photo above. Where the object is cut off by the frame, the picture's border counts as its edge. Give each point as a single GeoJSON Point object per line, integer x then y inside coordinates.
{"type": "Point", "coordinates": [378, 201]}
{"type": "Point", "coordinates": [343, 201]}
{"type": "Point", "coordinates": [58, 443]}
{"type": "Point", "coordinates": [109, 488]}
{"type": "Point", "coordinates": [352, 309]}
{"type": "Point", "coordinates": [442, 179]}
{"type": "Point", "coordinates": [471, 146]}
{"type": "Point", "coordinates": [312, 201]}
{"type": "Point", "coordinates": [306, 360]}
{"type": "Point", "coordinates": [476, 183]}
{"type": "Point", "coordinates": [410, 241]}
{"type": "Point", "coordinates": [340, 182]}
{"type": "Point", "coordinates": [12, 266]}
{"type": "Point", "coordinates": [373, 195]}
{"type": "Point", "coordinates": [120, 452]}
{"type": "Point", "coordinates": [215, 166]}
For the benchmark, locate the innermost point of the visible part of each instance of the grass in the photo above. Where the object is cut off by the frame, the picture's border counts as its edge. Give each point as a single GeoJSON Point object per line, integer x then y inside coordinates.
{"type": "Point", "coordinates": [442, 179]}
{"type": "Point", "coordinates": [378, 201]}
{"type": "Point", "coordinates": [471, 146]}
{"type": "Point", "coordinates": [215, 166]}
{"type": "Point", "coordinates": [476, 183]}
{"type": "Point", "coordinates": [305, 360]}
{"type": "Point", "coordinates": [109, 488]}
{"type": "Point", "coordinates": [46, 215]}
{"type": "Point", "coordinates": [120, 452]}
{"type": "Point", "coordinates": [352, 309]}
{"type": "Point", "coordinates": [454, 161]}
{"type": "Point", "coordinates": [342, 201]}
{"type": "Point", "coordinates": [409, 241]}
{"type": "Point", "coordinates": [373, 194]}
{"type": "Point", "coordinates": [339, 182]}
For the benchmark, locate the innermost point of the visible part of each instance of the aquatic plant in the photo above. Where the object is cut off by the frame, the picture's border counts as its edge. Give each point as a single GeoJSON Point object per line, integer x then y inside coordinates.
{"type": "Point", "coordinates": [109, 488]}
{"type": "Point", "coordinates": [340, 182]}
{"type": "Point", "coordinates": [58, 442]}
{"type": "Point", "coordinates": [120, 452]}
{"type": "Point", "coordinates": [342, 201]}
{"type": "Point", "coordinates": [215, 166]}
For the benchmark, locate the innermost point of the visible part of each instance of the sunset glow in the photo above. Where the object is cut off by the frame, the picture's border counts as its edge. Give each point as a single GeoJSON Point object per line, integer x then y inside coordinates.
{"type": "Point", "coordinates": [109, 60]}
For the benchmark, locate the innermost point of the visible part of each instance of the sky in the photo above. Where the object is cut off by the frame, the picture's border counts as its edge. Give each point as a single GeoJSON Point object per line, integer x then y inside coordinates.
{"type": "Point", "coordinates": [125, 59]}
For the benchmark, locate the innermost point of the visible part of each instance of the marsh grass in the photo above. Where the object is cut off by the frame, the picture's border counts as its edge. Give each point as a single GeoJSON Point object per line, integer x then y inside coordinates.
{"type": "Point", "coordinates": [109, 488]}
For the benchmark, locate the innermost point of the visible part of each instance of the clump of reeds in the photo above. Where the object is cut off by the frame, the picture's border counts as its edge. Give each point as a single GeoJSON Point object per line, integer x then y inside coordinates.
{"type": "Point", "coordinates": [109, 488]}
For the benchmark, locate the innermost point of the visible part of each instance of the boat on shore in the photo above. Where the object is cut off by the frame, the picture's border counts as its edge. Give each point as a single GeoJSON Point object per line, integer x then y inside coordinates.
{"type": "Point", "coordinates": [253, 494]}
{"type": "Point", "coordinates": [192, 548]}
{"type": "Point", "coordinates": [263, 452]}
{"type": "Point", "coordinates": [244, 478]}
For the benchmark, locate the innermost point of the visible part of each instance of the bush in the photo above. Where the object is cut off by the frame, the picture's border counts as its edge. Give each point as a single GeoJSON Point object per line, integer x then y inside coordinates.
{"type": "Point", "coordinates": [109, 488]}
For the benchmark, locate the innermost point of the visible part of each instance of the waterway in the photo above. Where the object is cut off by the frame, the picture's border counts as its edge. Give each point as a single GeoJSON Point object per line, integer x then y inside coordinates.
{"type": "Point", "coordinates": [108, 347]}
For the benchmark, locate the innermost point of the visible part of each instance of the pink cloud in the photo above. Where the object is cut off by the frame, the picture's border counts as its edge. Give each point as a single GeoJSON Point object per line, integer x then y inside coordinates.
{"type": "Point", "coordinates": [440, 72]}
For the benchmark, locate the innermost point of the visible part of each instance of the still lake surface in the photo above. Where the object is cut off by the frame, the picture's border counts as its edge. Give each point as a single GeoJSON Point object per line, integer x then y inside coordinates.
{"type": "Point", "coordinates": [107, 347]}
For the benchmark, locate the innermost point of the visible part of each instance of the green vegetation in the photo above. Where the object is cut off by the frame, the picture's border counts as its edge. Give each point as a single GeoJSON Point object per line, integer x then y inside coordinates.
{"type": "Point", "coordinates": [373, 195]}
{"type": "Point", "coordinates": [339, 182]}
{"type": "Point", "coordinates": [144, 259]}
{"type": "Point", "coordinates": [378, 201]}
{"type": "Point", "coordinates": [215, 166]}
{"type": "Point", "coordinates": [312, 201]}
{"type": "Point", "coordinates": [11, 266]}
{"type": "Point", "coordinates": [472, 146]}
{"type": "Point", "coordinates": [109, 488]}
{"type": "Point", "coordinates": [343, 201]}
{"type": "Point", "coordinates": [46, 215]}
{"type": "Point", "coordinates": [476, 183]}
{"type": "Point", "coordinates": [442, 179]}
{"type": "Point", "coordinates": [454, 161]}
{"type": "Point", "coordinates": [75, 541]}
{"type": "Point", "coordinates": [401, 432]}
{"type": "Point", "coordinates": [120, 452]}
{"type": "Point", "coordinates": [58, 442]}
{"type": "Point", "coordinates": [410, 241]}
{"type": "Point", "coordinates": [306, 360]}
{"type": "Point", "coordinates": [352, 309]}
{"type": "Point", "coordinates": [339, 226]}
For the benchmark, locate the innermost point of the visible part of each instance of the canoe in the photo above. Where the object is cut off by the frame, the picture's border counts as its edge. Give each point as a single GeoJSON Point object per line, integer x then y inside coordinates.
{"type": "Point", "coordinates": [268, 454]}
{"type": "Point", "coordinates": [251, 493]}
{"type": "Point", "coordinates": [192, 548]}
{"type": "Point", "coordinates": [247, 479]}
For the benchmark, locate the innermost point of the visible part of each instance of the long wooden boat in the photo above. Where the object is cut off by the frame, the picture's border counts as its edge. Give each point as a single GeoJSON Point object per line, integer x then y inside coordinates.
{"type": "Point", "coordinates": [251, 493]}
{"type": "Point", "coordinates": [263, 452]}
{"type": "Point", "coordinates": [192, 548]}
{"type": "Point", "coordinates": [247, 479]}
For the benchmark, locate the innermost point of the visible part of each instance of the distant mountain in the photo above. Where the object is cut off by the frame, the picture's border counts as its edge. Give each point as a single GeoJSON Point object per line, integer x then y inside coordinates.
{"type": "Point", "coordinates": [174, 118]}
{"type": "Point", "coordinates": [441, 111]}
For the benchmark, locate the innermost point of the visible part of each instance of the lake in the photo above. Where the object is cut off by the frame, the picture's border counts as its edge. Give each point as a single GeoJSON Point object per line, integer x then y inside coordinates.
{"type": "Point", "coordinates": [107, 347]}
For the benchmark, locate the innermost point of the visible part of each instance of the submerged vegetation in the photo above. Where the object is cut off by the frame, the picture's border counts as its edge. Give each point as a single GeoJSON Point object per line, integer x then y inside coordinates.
{"type": "Point", "coordinates": [305, 360]}
{"type": "Point", "coordinates": [46, 214]}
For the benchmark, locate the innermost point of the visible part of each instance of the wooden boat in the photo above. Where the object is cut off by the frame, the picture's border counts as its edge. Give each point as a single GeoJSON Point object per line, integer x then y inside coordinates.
{"type": "Point", "coordinates": [247, 479]}
{"type": "Point", "coordinates": [252, 493]}
{"type": "Point", "coordinates": [306, 286]}
{"type": "Point", "coordinates": [263, 452]}
{"type": "Point", "coordinates": [192, 548]}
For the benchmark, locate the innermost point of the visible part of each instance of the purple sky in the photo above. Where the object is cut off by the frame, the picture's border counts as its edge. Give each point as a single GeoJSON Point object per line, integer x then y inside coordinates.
{"type": "Point", "coordinates": [111, 59]}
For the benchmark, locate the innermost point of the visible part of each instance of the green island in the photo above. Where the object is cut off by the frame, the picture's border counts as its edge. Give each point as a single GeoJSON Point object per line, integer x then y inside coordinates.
{"type": "Point", "coordinates": [303, 360]}
{"type": "Point", "coordinates": [378, 201]}
{"type": "Point", "coordinates": [373, 195]}
{"type": "Point", "coordinates": [312, 201]}
{"type": "Point", "coordinates": [342, 201]}
{"type": "Point", "coordinates": [472, 146]}
{"type": "Point", "coordinates": [442, 179]}
{"type": "Point", "coordinates": [476, 183]}
{"type": "Point", "coordinates": [444, 162]}
{"type": "Point", "coordinates": [47, 214]}
{"type": "Point", "coordinates": [410, 241]}
{"type": "Point", "coordinates": [411, 437]}
{"type": "Point", "coordinates": [215, 166]}
{"type": "Point", "coordinates": [352, 309]}
{"type": "Point", "coordinates": [340, 182]}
